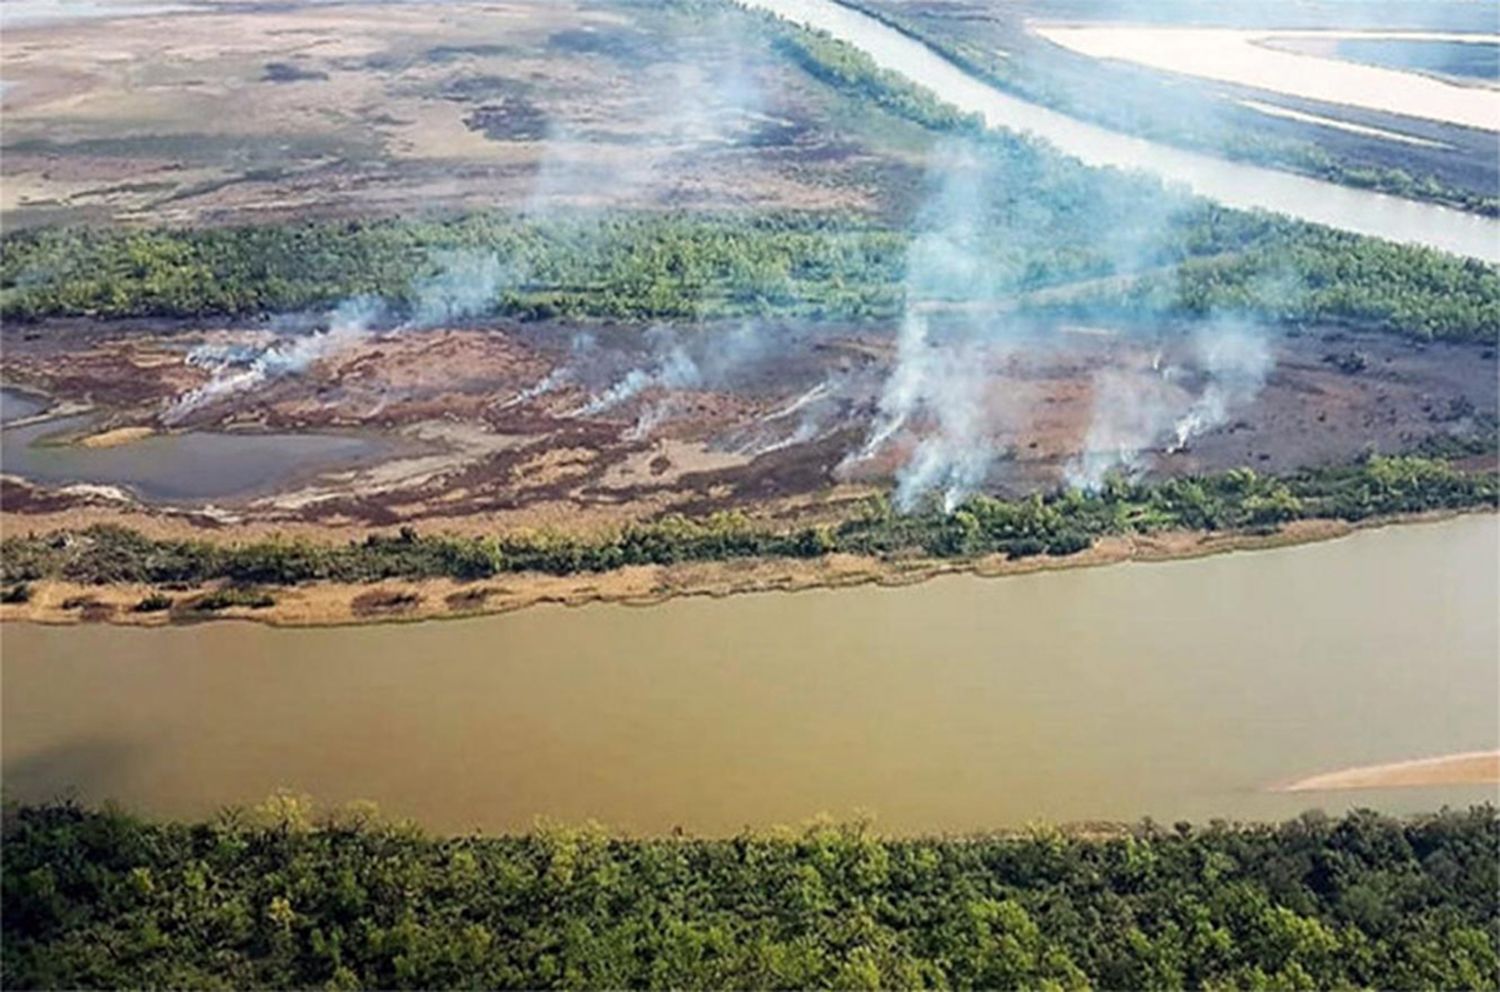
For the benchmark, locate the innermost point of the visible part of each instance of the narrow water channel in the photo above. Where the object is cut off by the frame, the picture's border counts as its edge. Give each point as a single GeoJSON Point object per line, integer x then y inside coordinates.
{"type": "Point", "coordinates": [1181, 689]}
{"type": "Point", "coordinates": [1234, 184]}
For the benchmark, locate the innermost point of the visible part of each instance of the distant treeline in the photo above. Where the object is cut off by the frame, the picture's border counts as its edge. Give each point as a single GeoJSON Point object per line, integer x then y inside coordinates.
{"type": "Point", "coordinates": [1057, 524]}
{"type": "Point", "coordinates": [651, 266]}
{"type": "Point", "coordinates": [272, 899]}
{"type": "Point", "coordinates": [1165, 113]}
{"type": "Point", "coordinates": [1049, 220]}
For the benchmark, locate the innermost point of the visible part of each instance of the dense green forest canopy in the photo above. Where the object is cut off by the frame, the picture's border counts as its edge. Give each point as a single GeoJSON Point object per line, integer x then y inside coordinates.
{"type": "Point", "coordinates": [271, 899]}
{"type": "Point", "coordinates": [649, 266]}
{"type": "Point", "coordinates": [1059, 524]}
{"type": "Point", "coordinates": [1130, 243]}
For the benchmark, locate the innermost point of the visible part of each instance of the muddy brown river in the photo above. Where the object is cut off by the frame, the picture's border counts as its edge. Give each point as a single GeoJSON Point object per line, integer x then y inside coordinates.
{"type": "Point", "coordinates": [1180, 689]}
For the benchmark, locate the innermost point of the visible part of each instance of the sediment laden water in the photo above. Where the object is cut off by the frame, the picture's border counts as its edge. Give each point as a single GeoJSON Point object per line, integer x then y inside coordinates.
{"type": "Point", "coordinates": [1183, 689]}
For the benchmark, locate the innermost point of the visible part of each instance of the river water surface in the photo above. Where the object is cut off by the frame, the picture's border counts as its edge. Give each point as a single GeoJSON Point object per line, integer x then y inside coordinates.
{"type": "Point", "coordinates": [1179, 689]}
{"type": "Point", "coordinates": [1234, 184]}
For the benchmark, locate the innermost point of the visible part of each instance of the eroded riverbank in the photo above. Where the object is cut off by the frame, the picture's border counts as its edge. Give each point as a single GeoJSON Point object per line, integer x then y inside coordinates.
{"type": "Point", "coordinates": [325, 604]}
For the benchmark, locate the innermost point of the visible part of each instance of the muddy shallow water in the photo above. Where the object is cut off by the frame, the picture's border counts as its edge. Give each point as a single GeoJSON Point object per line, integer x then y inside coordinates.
{"type": "Point", "coordinates": [1181, 689]}
{"type": "Point", "coordinates": [188, 467]}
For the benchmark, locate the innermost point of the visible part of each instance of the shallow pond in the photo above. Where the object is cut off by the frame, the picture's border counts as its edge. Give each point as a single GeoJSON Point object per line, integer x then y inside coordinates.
{"type": "Point", "coordinates": [191, 467]}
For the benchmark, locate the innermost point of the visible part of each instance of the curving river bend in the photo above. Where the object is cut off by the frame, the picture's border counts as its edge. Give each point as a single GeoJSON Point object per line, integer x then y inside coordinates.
{"type": "Point", "coordinates": [1233, 184]}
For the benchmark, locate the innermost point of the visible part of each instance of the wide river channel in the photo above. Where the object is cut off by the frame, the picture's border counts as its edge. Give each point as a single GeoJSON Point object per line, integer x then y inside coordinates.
{"type": "Point", "coordinates": [1234, 184]}
{"type": "Point", "coordinates": [1178, 689]}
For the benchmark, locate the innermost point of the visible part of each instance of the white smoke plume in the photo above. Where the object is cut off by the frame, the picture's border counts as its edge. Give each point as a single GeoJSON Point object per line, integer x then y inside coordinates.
{"type": "Point", "coordinates": [1131, 413]}
{"type": "Point", "coordinates": [1237, 361]}
{"type": "Point", "coordinates": [706, 359]}
{"type": "Point", "coordinates": [955, 457]}
{"type": "Point", "coordinates": [669, 367]}
{"type": "Point", "coordinates": [806, 417]}
{"type": "Point", "coordinates": [700, 96]}
{"type": "Point", "coordinates": [347, 323]}
{"type": "Point", "coordinates": [465, 285]}
{"type": "Point", "coordinates": [1135, 413]}
{"type": "Point", "coordinates": [943, 381]}
{"type": "Point", "coordinates": [580, 348]}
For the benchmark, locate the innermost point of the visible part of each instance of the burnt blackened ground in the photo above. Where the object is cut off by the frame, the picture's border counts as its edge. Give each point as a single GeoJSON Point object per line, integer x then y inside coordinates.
{"type": "Point", "coordinates": [488, 443]}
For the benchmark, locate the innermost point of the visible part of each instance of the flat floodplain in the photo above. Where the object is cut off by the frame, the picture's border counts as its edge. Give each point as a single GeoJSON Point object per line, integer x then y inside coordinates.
{"type": "Point", "coordinates": [1188, 689]}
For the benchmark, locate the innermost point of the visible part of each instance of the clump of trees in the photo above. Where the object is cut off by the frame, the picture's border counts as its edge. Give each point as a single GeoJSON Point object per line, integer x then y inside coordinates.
{"type": "Point", "coordinates": [280, 898]}
{"type": "Point", "coordinates": [1059, 523]}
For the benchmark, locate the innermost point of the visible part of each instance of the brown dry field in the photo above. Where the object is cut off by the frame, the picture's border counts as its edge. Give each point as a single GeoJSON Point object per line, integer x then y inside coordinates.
{"type": "Point", "coordinates": [235, 113]}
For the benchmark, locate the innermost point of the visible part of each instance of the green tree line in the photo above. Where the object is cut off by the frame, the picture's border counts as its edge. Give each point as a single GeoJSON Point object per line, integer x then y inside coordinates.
{"type": "Point", "coordinates": [1060, 523]}
{"type": "Point", "coordinates": [278, 898]}
{"type": "Point", "coordinates": [648, 266]}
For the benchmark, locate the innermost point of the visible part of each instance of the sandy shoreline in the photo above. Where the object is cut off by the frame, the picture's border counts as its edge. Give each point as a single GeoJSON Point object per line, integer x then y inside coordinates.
{"type": "Point", "coordinates": [1240, 57]}
{"type": "Point", "coordinates": [335, 604]}
{"type": "Point", "coordinates": [1468, 768]}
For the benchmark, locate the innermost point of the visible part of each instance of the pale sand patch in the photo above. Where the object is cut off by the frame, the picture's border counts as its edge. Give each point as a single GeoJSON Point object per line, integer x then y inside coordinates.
{"type": "Point", "coordinates": [1468, 768]}
{"type": "Point", "coordinates": [1232, 55]}
{"type": "Point", "coordinates": [115, 437]}
{"type": "Point", "coordinates": [1271, 110]}
{"type": "Point", "coordinates": [680, 458]}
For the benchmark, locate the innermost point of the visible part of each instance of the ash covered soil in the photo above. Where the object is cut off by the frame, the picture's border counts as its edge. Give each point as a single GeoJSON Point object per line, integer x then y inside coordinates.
{"type": "Point", "coordinates": [568, 427]}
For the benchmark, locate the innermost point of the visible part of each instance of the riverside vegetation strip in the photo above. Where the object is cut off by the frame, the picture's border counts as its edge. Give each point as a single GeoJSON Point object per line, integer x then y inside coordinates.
{"type": "Point", "coordinates": [1059, 524]}
{"type": "Point", "coordinates": [277, 898]}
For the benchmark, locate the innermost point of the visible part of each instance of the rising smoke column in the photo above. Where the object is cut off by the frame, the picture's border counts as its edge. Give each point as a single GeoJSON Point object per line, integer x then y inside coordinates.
{"type": "Point", "coordinates": [948, 270]}
{"type": "Point", "coordinates": [466, 283]}
{"type": "Point", "coordinates": [348, 323]}
{"type": "Point", "coordinates": [696, 99]}
{"type": "Point", "coordinates": [668, 366]}
{"type": "Point", "coordinates": [1132, 412]}
{"type": "Point", "coordinates": [1136, 413]}
{"type": "Point", "coordinates": [1237, 360]}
